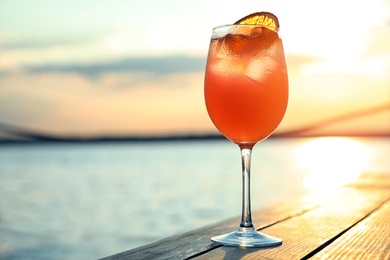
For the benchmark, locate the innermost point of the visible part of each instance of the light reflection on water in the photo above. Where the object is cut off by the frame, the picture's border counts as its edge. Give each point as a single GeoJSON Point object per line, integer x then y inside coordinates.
{"type": "Point", "coordinates": [331, 161]}
{"type": "Point", "coordinates": [81, 201]}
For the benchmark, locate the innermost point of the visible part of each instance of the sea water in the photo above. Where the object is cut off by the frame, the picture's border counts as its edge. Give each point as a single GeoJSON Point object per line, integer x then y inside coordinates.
{"type": "Point", "coordinates": [86, 201]}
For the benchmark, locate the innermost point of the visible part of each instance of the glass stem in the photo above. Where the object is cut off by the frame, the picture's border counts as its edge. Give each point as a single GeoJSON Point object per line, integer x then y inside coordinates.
{"type": "Point", "coordinates": [246, 216]}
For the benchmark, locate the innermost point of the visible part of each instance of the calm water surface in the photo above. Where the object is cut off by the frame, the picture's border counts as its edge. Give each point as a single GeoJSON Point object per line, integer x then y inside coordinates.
{"type": "Point", "coordinates": [85, 201]}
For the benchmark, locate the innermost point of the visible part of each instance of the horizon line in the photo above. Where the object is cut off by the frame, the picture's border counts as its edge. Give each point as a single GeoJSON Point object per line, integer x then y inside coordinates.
{"type": "Point", "coordinates": [169, 138]}
{"type": "Point", "coordinates": [28, 135]}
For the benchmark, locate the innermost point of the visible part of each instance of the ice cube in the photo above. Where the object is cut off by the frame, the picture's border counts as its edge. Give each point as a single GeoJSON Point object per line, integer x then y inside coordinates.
{"type": "Point", "coordinates": [227, 66]}
{"type": "Point", "coordinates": [218, 65]}
{"type": "Point", "coordinates": [260, 68]}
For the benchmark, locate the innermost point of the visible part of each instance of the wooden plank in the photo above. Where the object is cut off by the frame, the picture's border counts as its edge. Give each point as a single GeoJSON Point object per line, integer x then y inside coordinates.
{"type": "Point", "coordinates": [307, 233]}
{"type": "Point", "coordinates": [197, 242]}
{"type": "Point", "coordinates": [185, 245]}
{"type": "Point", "coordinates": [373, 181]}
{"type": "Point", "coordinates": [369, 239]}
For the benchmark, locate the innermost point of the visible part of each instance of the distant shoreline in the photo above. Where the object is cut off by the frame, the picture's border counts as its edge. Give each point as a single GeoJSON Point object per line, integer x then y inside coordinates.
{"type": "Point", "coordinates": [109, 139]}
{"type": "Point", "coordinates": [41, 139]}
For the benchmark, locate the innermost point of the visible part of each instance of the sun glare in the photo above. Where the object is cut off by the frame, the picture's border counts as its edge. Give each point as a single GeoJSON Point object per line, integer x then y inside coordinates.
{"type": "Point", "coordinates": [331, 162]}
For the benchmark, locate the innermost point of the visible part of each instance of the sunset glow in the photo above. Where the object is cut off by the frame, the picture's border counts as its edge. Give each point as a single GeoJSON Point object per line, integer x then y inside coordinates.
{"type": "Point", "coordinates": [138, 67]}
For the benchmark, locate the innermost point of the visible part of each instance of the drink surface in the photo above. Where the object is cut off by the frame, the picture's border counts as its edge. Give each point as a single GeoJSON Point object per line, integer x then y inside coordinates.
{"type": "Point", "coordinates": [246, 85]}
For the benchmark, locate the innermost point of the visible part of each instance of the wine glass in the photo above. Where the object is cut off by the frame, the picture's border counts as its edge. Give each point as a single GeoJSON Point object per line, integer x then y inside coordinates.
{"type": "Point", "coordinates": [246, 95]}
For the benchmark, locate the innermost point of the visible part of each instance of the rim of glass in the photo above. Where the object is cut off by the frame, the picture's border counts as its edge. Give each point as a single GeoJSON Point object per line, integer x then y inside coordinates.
{"type": "Point", "coordinates": [245, 25]}
{"type": "Point", "coordinates": [222, 30]}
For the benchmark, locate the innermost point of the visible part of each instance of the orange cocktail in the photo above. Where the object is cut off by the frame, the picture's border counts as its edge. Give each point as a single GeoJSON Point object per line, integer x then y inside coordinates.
{"type": "Point", "coordinates": [246, 86]}
{"type": "Point", "coordinates": [246, 93]}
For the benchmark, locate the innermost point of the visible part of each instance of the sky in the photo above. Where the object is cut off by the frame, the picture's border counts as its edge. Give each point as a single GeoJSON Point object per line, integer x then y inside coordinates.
{"type": "Point", "coordinates": [116, 67]}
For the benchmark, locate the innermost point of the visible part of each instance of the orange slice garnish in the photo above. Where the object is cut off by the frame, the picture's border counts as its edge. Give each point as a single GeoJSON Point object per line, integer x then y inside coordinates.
{"type": "Point", "coordinates": [262, 18]}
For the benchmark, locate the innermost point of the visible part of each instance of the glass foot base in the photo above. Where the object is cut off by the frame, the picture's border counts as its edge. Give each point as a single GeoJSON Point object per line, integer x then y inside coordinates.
{"type": "Point", "coordinates": [247, 237]}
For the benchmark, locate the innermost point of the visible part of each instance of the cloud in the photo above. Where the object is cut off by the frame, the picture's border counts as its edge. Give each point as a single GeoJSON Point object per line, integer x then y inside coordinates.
{"type": "Point", "coordinates": [165, 94]}
{"type": "Point", "coordinates": [157, 65]}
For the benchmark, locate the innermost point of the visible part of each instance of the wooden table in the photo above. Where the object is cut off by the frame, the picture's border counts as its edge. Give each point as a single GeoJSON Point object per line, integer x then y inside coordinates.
{"type": "Point", "coordinates": [351, 222]}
